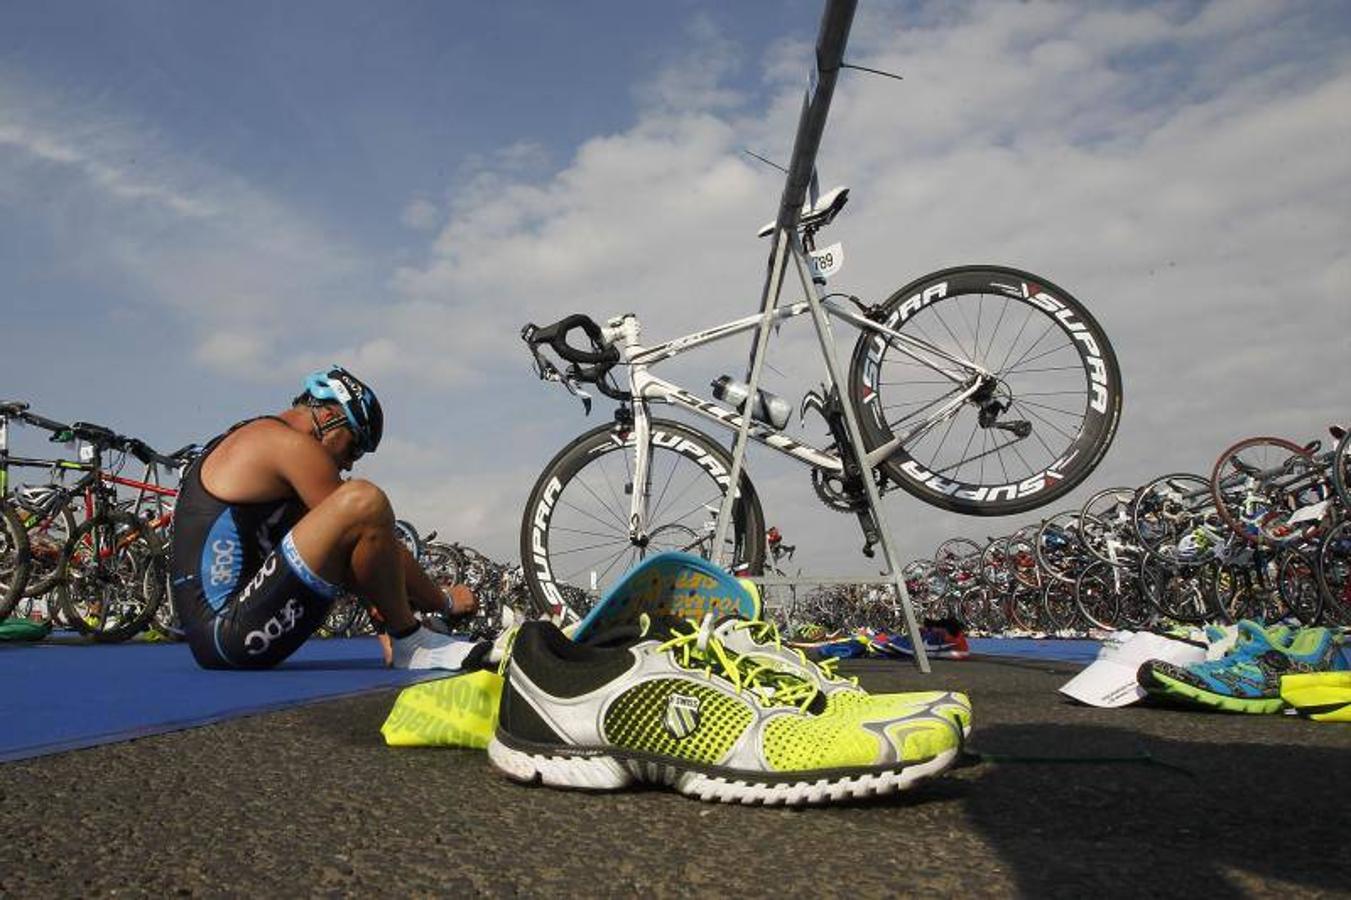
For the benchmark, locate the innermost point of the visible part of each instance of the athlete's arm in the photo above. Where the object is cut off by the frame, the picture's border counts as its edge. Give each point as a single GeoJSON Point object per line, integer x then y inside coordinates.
{"type": "Point", "coordinates": [302, 464]}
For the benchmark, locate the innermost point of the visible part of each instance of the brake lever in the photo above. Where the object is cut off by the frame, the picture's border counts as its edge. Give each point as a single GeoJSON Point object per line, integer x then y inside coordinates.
{"type": "Point", "coordinates": [547, 371]}
{"type": "Point", "coordinates": [570, 382]}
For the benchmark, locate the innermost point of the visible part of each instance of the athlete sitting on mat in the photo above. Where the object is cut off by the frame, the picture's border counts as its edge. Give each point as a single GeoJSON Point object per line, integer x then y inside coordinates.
{"type": "Point", "coordinates": [266, 530]}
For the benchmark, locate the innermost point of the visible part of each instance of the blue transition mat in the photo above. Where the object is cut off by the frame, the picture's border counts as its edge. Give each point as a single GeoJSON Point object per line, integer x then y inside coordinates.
{"type": "Point", "coordinates": [1062, 649]}
{"type": "Point", "coordinates": [62, 696]}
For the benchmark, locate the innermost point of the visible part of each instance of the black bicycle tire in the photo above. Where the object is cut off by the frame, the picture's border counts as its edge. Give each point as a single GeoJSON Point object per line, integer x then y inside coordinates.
{"type": "Point", "coordinates": [408, 536]}
{"type": "Point", "coordinates": [1083, 454]}
{"type": "Point", "coordinates": [16, 548]}
{"type": "Point", "coordinates": [153, 555]}
{"type": "Point", "coordinates": [1341, 471]}
{"type": "Point", "coordinates": [38, 586]}
{"type": "Point", "coordinates": [1308, 617]}
{"type": "Point", "coordinates": [1054, 619]}
{"type": "Point", "coordinates": [748, 542]}
{"type": "Point", "coordinates": [1336, 596]}
{"type": "Point", "coordinates": [1099, 569]}
{"type": "Point", "coordinates": [1086, 542]}
{"type": "Point", "coordinates": [1043, 562]}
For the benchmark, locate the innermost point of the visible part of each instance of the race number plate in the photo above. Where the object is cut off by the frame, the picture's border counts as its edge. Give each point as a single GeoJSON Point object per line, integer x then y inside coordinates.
{"type": "Point", "coordinates": [825, 263]}
{"type": "Point", "coordinates": [86, 452]}
{"type": "Point", "coordinates": [4, 433]}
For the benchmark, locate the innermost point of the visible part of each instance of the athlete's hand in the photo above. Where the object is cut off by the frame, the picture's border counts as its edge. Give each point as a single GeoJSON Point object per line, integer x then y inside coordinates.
{"type": "Point", "coordinates": [462, 600]}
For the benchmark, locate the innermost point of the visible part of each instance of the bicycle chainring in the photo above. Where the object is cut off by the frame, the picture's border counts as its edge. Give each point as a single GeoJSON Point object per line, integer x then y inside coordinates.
{"type": "Point", "coordinates": [830, 489]}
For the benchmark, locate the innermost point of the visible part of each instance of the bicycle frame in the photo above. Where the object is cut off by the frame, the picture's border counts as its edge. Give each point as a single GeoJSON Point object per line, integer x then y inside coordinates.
{"type": "Point", "coordinates": [646, 388]}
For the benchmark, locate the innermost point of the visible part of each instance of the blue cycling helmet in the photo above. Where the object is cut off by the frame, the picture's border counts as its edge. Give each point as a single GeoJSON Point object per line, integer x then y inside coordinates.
{"type": "Point", "coordinates": [337, 385]}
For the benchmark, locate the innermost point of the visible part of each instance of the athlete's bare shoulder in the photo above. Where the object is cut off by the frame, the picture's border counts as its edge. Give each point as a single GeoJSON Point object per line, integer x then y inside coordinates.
{"type": "Point", "coordinates": [247, 465]}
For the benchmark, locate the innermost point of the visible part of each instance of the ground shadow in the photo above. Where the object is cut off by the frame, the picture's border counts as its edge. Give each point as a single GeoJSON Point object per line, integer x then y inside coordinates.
{"type": "Point", "coordinates": [1165, 817]}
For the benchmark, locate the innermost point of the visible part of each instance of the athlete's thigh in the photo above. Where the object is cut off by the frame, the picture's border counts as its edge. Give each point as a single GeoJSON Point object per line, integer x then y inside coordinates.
{"type": "Point", "coordinates": [325, 535]}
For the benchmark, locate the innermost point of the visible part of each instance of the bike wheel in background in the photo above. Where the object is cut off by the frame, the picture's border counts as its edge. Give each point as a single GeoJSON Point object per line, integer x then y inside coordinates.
{"type": "Point", "coordinates": [1175, 520]}
{"type": "Point", "coordinates": [14, 560]}
{"type": "Point", "coordinates": [1297, 586]}
{"type": "Point", "coordinates": [1032, 433]}
{"type": "Point", "coordinates": [409, 537]}
{"type": "Point", "coordinates": [165, 622]}
{"type": "Point", "coordinates": [1333, 569]}
{"type": "Point", "coordinates": [1341, 471]}
{"type": "Point", "coordinates": [1251, 485]}
{"type": "Point", "coordinates": [1178, 592]}
{"type": "Point", "coordinates": [575, 531]}
{"type": "Point", "coordinates": [1105, 527]}
{"type": "Point", "coordinates": [48, 536]}
{"type": "Point", "coordinates": [1101, 592]}
{"type": "Point", "coordinates": [106, 592]}
{"type": "Point", "coordinates": [1057, 547]}
{"type": "Point", "coordinates": [1059, 608]}
{"type": "Point", "coordinates": [342, 614]}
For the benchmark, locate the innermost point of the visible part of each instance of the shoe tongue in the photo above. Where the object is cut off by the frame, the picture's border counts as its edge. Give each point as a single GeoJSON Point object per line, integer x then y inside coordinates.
{"type": "Point", "coordinates": [662, 628]}
{"type": "Point", "coordinates": [757, 606]}
{"type": "Point", "coordinates": [1249, 630]}
{"type": "Point", "coordinates": [669, 584]}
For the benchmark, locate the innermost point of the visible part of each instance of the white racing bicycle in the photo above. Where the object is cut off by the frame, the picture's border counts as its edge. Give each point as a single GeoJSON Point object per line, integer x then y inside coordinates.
{"type": "Point", "coordinates": [984, 390]}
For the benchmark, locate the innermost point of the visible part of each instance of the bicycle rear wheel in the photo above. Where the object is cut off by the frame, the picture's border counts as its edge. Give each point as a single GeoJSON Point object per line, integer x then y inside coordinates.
{"type": "Point", "coordinates": [575, 531]}
{"type": "Point", "coordinates": [1032, 432]}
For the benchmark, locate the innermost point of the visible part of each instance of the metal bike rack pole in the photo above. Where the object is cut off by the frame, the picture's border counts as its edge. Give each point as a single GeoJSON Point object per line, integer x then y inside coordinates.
{"type": "Point", "coordinates": [830, 44]}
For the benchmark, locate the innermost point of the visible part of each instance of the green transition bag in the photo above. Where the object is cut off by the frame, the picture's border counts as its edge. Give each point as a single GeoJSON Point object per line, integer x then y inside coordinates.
{"type": "Point", "coordinates": [460, 711]}
{"type": "Point", "coordinates": [24, 630]}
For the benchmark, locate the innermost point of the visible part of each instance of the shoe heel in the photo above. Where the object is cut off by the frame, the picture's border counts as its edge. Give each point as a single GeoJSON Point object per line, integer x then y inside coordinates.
{"type": "Point", "coordinates": [592, 773]}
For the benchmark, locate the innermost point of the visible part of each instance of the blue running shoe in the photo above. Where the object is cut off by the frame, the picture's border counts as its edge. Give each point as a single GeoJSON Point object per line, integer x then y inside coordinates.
{"type": "Point", "coordinates": [1248, 678]}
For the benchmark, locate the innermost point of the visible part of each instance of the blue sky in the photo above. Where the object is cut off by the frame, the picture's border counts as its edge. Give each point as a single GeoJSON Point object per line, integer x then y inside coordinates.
{"type": "Point", "coordinates": [201, 201]}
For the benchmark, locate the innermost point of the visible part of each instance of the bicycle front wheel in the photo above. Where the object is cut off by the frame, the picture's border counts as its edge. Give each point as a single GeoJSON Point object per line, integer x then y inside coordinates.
{"type": "Point", "coordinates": [1041, 418]}
{"type": "Point", "coordinates": [575, 531]}
{"type": "Point", "coordinates": [14, 559]}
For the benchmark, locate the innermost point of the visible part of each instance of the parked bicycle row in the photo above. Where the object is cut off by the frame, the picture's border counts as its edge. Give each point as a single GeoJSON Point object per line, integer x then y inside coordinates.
{"type": "Point", "coordinates": [1265, 535]}
{"type": "Point", "coordinates": [84, 546]}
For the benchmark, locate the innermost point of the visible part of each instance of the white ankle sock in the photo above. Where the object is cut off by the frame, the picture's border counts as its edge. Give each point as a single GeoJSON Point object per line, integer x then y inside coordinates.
{"type": "Point", "coordinates": [426, 649]}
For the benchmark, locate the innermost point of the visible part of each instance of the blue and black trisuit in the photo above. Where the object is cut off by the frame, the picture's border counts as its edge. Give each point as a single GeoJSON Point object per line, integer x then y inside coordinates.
{"type": "Point", "coordinates": [242, 593]}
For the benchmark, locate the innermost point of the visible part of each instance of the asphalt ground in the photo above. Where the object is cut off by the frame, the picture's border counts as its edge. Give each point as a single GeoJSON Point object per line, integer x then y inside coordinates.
{"type": "Point", "coordinates": [1069, 802]}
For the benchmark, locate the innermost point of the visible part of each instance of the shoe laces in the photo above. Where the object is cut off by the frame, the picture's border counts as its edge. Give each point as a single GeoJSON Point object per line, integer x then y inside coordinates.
{"type": "Point", "coordinates": [699, 649]}
{"type": "Point", "coordinates": [765, 632]}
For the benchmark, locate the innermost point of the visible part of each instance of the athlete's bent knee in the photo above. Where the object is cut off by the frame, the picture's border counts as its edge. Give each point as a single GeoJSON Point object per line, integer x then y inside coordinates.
{"type": "Point", "coordinates": [361, 501]}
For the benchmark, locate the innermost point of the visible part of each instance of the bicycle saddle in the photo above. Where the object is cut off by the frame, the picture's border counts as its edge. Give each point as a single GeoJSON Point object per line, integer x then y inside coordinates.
{"type": "Point", "coordinates": [826, 208]}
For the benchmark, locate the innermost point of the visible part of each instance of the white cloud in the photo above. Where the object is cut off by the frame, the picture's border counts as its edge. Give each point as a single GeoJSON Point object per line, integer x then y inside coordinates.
{"type": "Point", "coordinates": [421, 214]}
{"type": "Point", "coordinates": [1187, 181]}
{"type": "Point", "coordinates": [146, 219]}
{"type": "Point", "coordinates": [1184, 171]}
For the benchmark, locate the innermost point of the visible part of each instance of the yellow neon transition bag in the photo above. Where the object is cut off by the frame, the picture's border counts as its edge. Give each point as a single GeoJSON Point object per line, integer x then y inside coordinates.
{"type": "Point", "coordinates": [460, 711]}
{"type": "Point", "coordinates": [1321, 696]}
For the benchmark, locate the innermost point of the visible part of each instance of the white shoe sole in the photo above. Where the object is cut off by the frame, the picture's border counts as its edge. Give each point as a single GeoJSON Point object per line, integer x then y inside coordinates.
{"type": "Point", "coordinates": [600, 772]}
